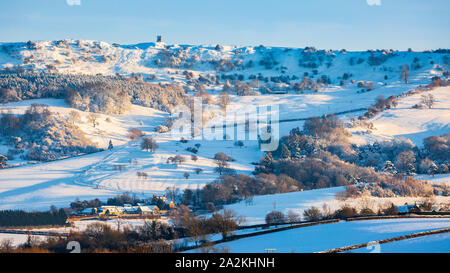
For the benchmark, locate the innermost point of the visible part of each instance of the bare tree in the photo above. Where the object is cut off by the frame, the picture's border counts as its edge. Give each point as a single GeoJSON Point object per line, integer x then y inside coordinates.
{"type": "Point", "coordinates": [404, 160]}
{"type": "Point", "coordinates": [224, 100]}
{"type": "Point", "coordinates": [149, 143]}
{"type": "Point", "coordinates": [404, 73]}
{"type": "Point", "coordinates": [193, 225]}
{"type": "Point", "coordinates": [312, 214]}
{"type": "Point", "coordinates": [427, 204]}
{"type": "Point", "coordinates": [134, 133]}
{"type": "Point", "coordinates": [226, 222]}
{"type": "Point", "coordinates": [172, 193]}
{"type": "Point", "coordinates": [74, 116]}
{"type": "Point", "coordinates": [326, 210]}
{"type": "Point", "coordinates": [428, 100]}
{"type": "Point", "coordinates": [179, 159]}
{"type": "Point", "coordinates": [92, 118]}
{"type": "Point", "coordinates": [275, 217]}
{"type": "Point", "coordinates": [221, 166]}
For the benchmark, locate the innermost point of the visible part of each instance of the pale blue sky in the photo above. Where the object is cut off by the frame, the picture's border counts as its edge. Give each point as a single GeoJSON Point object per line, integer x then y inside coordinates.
{"type": "Point", "coordinates": [329, 24]}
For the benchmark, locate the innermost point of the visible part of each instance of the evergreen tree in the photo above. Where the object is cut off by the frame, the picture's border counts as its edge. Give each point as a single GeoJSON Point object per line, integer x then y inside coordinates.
{"type": "Point", "coordinates": [3, 160]}
{"type": "Point", "coordinates": [110, 145]}
{"type": "Point", "coordinates": [267, 162]}
{"type": "Point", "coordinates": [285, 153]}
{"type": "Point", "coordinates": [432, 169]}
{"type": "Point", "coordinates": [410, 169]}
{"type": "Point", "coordinates": [389, 167]}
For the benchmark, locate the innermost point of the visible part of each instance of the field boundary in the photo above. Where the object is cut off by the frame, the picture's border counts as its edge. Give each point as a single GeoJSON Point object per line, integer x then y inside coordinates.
{"type": "Point", "coordinates": [412, 216]}
{"type": "Point", "coordinates": [34, 233]}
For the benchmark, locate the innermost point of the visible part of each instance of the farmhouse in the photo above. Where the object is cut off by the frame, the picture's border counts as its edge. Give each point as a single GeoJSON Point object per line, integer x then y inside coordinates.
{"type": "Point", "coordinates": [128, 209]}
{"type": "Point", "coordinates": [110, 210]}
{"type": "Point", "coordinates": [148, 210]}
{"type": "Point", "coordinates": [406, 208]}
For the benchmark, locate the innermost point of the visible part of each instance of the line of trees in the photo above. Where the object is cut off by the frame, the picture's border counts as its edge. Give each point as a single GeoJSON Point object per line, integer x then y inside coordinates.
{"type": "Point", "coordinates": [107, 94]}
{"type": "Point", "coordinates": [15, 218]}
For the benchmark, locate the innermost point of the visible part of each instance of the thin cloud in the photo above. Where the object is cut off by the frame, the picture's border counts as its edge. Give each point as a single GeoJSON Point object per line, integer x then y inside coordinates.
{"type": "Point", "coordinates": [373, 2]}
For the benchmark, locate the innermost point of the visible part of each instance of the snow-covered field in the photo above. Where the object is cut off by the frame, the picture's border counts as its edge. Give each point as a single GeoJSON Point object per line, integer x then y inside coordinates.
{"type": "Point", "coordinates": [90, 176]}
{"type": "Point", "coordinates": [437, 243]}
{"type": "Point", "coordinates": [437, 178]}
{"type": "Point", "coordinates": [18, 239]}
{"type": "Point", "coordinates": [58, 183]}
{"type": "Point", "coordinates": [330, 236]}
{"type": "Point", "coordinates": [77, 226]}
{"type": "Point", "coordinates": [42, 185]}
{"type": "Point", "coordinates": [415, 124]}
{"type": "Point", "coordinates": [256, 211]}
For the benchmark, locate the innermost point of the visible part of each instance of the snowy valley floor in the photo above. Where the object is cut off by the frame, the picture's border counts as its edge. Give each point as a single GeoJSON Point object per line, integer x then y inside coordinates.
{"type": "Point", "coordinates": [330, 236]}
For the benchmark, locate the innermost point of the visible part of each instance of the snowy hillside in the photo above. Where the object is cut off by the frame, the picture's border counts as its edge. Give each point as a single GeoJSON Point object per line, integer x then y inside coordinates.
{"type": "Point", "coordinates": [168, 61]}
{"type": "Point", "coordinates": [415, 124]}
{"type": "Point", "coordinates": [60, 182]}
{"type": "Point", "coordinates": [340, 81]}
{"type": "Point", "coordinates": [266, 69]}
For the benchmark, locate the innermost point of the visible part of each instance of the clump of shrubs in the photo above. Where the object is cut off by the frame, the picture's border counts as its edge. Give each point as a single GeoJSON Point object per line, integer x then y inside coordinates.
{"type": "Point", "coordinates": [135, 133]}
{"type": "Point", "coordinates": [400, 156]}
{"type": "Point", "coordinates": [43, 136]}
{"type": "Point", "coordinates": [366, 86]}
{"type": "Point", "coordinates": [306, 84]}
{"type": "Point", "coordinates": [275, 217]}
{"type": "Point", "coordinates": [380, 105]}
{"type": "Point", "coordinates": [393, 187]}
